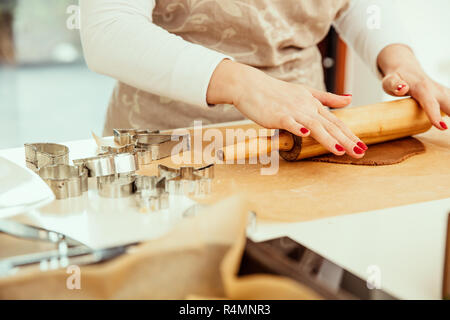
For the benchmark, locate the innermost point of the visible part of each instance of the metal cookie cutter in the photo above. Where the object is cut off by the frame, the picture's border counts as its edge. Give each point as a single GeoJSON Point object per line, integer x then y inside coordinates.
{"type": "Point", "coordinates": [38, 155]}
{"type": "Point", "coordinates": [161, 145]}
{"type": "Point", "coordinates": [128, 136]}
{"type": "Point", "coordinates": [151, 194]}
{"type": "Point", "coordinates": [128, 148]}
{"type": "Point", "coordinates": [126, 163]}
{"type": "Point", "coordinates": [188, 180]}
{"type": "Point", "coordinates": [99, 166]}
{"type": "Point", "coordinates": [109, 164]}
{"type": "Point", "coordinates": [149, 145]}
{"type": "Point", "coordinates": [143, 156]}
{"type": "Point", "coordinates": [116, 186]}
{"type": "Point", "coordinates": [64, 180]}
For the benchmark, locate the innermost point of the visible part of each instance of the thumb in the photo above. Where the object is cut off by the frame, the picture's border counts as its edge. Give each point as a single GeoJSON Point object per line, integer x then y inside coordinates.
{"type": "Point", "coordinates": [394, 85]}
{"type": "Point", "coordinates": [332, 100]}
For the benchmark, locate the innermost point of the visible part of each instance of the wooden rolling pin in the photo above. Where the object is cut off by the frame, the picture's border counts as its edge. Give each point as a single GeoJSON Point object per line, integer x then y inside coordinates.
{"type": "Point", "coordinates": [372, 124]}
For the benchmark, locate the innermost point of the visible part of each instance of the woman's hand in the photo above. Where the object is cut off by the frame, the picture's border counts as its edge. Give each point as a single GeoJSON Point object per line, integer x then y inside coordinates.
{"type": "Point", "coordinates": [276, 104]}
{"type": "Point", "coordinates": [404, 76]}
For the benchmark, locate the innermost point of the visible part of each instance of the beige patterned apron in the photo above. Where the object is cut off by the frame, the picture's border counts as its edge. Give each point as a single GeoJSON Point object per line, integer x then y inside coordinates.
{"type": "Point", "coordinates": [279, 37]}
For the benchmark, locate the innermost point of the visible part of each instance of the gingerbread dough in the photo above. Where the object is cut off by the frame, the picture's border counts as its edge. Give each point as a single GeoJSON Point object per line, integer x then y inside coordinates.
{"type": "Point", "coordinates": [380, 154]}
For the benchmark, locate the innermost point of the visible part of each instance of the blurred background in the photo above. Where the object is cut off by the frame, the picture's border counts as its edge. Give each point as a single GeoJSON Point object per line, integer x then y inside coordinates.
{"type": "Point", "coordinates": [47, 94]}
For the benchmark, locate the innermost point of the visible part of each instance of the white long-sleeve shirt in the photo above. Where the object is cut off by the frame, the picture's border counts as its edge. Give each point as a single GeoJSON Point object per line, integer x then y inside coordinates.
{"type": "Point", "coordinates": [120, 40]}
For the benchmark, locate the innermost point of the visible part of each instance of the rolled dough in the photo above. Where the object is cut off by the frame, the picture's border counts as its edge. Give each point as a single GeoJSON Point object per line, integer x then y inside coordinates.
{"type": "Point", "coordinates": [380, 154]}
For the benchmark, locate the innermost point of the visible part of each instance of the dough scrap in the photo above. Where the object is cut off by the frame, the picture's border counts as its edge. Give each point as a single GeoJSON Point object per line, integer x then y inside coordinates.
{"type": "Point", "coordinates": [381, 154]}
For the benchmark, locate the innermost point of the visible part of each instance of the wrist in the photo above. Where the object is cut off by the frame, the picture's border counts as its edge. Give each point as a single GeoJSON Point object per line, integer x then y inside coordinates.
{"type": "Point", "coordinates": [395, 57]}
{"type": "Point", "coordinates": [224, 84]}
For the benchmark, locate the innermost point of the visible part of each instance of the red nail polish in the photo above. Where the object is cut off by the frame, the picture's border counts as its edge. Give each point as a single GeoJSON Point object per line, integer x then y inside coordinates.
{"type": "Point", "coordinates": [339, 148]}
{"type": "Point", "coordinates": [443, 125]}
{"type": "Point", "coordinates": [362, 145]}
{"type": "Point", "coordinates": [358, 150]}
{"type": "Point", "coordinates": [400, 87]}
{"type": "Point", "coordinates": [347, 95]}
{"type": "Point", "coordinates": [304, 130]}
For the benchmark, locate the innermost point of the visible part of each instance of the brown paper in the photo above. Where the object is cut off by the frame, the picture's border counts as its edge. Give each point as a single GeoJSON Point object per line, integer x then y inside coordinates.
{"type": "Point", "coordinates": [182, 263]}
{"type": "Point", "coordinates": [306, 190]}
{"type": "Point", "coordinates": [258, 286]}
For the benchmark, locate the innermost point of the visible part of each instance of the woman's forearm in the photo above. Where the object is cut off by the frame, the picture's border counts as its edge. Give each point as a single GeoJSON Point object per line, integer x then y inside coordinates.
{"type": "Point", "coordinates": [226, 82]}
{"type": "Point", "coordinates": [277, 104]}
{"type": "Point", "coordinates": [394, 57]}
{"type": "Point", "coordinates": [120, 40]}
{"type": "Point", "coordinates": [368, 26]}
{"type": "Point", "coordinates": [403, 75]}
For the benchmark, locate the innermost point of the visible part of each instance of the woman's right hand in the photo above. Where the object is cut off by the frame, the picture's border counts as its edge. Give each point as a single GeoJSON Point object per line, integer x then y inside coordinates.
{"type": "Point", "coordinates": [276, 104]}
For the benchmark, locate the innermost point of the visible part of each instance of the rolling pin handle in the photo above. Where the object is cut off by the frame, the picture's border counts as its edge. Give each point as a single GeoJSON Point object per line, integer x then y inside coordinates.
{"type": "Point", "coordinates": [293, 153]}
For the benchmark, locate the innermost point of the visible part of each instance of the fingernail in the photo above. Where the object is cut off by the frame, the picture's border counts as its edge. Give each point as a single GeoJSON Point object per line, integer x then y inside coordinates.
{"type": "Point", "coordinates": [358, 150]}
{"type": "Point", "coordinates": [304, 130]}
{"type": "Point", "coordinates": [362, 145]}
{"type": "Point", "coordinates": [400, 87]}
{"type": "Point", "coordinates": [443, 125]}
{"type": "Point", "coordinates": [347, 95]}
{"type": "Point", "coordinates": [339, 148]}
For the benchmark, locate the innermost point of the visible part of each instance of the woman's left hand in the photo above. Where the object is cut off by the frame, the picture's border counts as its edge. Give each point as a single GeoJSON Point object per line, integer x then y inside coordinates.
{"type": "Point", "coordinates": [404, 76]}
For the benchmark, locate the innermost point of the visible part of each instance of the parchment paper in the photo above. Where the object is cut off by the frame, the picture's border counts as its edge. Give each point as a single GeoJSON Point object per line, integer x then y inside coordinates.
{"type": "Point", "coordinates": [199, 258]}
{"type": "Point", "coordinates": [305, 190]}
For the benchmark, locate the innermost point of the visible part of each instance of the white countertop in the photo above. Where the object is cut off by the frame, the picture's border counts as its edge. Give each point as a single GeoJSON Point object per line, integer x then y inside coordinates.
{"type": "Point", "coordinates": [404, 244]}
